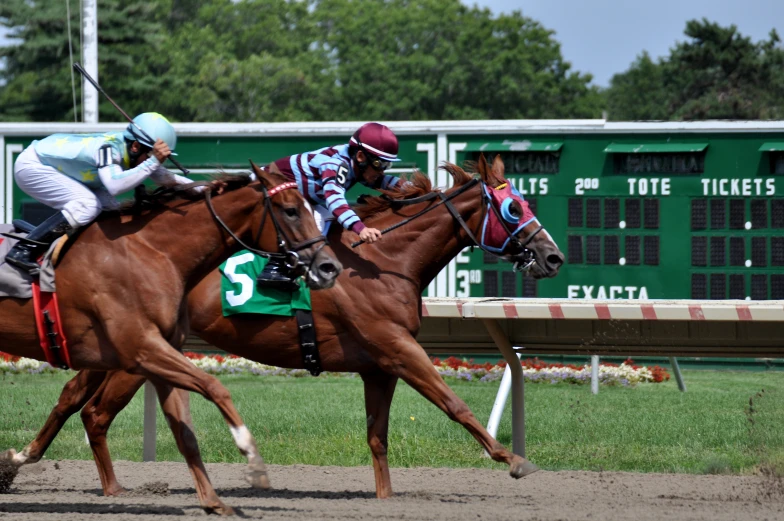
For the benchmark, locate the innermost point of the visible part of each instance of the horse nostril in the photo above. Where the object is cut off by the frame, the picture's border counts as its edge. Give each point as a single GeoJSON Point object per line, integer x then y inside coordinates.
{"type": "Point", "coordinates": [555, 260]}
{"type": "Point", "coordinates": [327, 268]}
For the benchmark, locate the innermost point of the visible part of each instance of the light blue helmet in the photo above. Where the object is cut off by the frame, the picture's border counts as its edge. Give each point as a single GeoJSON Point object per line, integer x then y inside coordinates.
{"type": "Point", "coordinates": [155, 126]}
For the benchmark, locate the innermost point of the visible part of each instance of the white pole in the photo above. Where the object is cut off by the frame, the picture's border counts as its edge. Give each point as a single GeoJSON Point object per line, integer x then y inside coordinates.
{"type": "Point", "coordinates": [595, 374]}
{"type": "Point", "coordinates": [148, 447]}
{"type": "Point", "coordinates": [90, 59]}
{"type": "Point", "coordinates": [500, 402]}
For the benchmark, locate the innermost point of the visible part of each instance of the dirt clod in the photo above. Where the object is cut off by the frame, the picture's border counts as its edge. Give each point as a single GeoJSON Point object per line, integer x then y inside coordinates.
{"type": "Point", "coordinates": [8, 472]}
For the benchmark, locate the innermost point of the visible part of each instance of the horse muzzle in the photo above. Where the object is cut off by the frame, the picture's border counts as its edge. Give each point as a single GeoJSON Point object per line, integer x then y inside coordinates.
{"type": "Point", "coordinates": [322, 271]}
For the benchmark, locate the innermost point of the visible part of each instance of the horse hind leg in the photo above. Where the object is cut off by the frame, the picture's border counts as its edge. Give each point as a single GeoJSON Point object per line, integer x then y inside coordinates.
{"type": "Point", "coordinates": [176, 409]}
{"type": "Point", "coordinates": [114, 394]}
{"type": "Point", "coordinates": [379, 390]}
{"type": "Point", "coordinates": [74, 395]}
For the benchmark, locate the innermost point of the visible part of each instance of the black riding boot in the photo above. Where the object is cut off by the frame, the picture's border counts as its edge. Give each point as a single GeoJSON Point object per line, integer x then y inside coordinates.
{"type": "Point", "coordinates": [24, 255]}
{"type": "Point", "coordinates": [275, 275]}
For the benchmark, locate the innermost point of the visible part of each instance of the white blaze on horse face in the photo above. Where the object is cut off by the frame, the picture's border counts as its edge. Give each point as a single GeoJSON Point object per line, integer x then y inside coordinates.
{"type": "Point", "coordinates": [244, 440]}
{"type": "Point", "coordinates": [550, 237]}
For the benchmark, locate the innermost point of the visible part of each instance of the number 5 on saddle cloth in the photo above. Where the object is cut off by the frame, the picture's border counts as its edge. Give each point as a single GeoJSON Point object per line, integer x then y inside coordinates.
{"type": "Point", "coordinates": [240, 294]}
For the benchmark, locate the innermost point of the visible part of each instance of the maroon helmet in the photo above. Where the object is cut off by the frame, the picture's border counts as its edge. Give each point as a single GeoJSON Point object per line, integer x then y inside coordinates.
{"type": "Point", "coordinates": [376, 139]}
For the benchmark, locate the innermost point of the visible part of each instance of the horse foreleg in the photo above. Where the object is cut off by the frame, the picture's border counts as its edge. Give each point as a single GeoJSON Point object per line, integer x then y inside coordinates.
{"type": "Point", "coordinates": [163, 364]}
{"type": "Point", "coordinates": [115, 393]}
{"type": "Point", "coordinates": [75, 394]}
{"type": "Point", "coordinates": [379, 390]}
{"type": "Point", "coordinates": [407, 360]}
{"type": "Point", "coordinates": [176, 408]}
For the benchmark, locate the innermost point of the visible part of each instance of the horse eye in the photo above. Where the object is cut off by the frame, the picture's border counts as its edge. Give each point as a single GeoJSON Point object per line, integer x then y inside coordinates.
{"type": "Point", "coordinates": [515, 210]}
{"type": "Point", "coordinates": [291, 212]}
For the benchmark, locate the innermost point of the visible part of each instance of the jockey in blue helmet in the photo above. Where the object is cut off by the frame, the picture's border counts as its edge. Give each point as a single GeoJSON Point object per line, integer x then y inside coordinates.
{"type": "Point", "coordinates": [80, 175]}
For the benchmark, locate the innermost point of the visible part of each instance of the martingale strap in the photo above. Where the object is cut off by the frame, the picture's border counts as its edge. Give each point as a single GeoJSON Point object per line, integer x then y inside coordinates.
{"type": "Point", "coordinates": [307, 341]}
{"type": "Point", "coordinates": [50, 330]}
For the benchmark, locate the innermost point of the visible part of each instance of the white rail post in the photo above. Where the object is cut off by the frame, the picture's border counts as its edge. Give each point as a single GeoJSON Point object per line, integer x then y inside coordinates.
{"type": "Point", "coordinates": [517, 385]}
{"type": "Point", "coordinates": [148, 450]}
{"type": "Point", "coordinates": [595, 374]}
{"type": "Point", "coordinates": [500, 402]}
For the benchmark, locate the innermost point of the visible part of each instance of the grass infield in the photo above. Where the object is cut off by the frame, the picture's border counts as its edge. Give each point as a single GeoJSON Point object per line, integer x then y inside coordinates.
{"type": "Point", "coordinates": [727, 422]}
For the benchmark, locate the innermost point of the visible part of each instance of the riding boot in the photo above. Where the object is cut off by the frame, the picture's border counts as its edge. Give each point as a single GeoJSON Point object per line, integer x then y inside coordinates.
{"type": "Point", "coordinates": [275, 275]}
{"type": "Point", "coordinates": [24, 255]}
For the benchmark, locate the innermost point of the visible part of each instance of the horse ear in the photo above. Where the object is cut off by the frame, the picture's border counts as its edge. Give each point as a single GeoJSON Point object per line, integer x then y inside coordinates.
{"type": "Point", "coordinates": [270, 176]}
{"type": "Point", "coordinates": [498, 169]}
{"type": "Point", "coordinates": [494, 175]}
{"type": "Point", "coordinates": [481, 167]}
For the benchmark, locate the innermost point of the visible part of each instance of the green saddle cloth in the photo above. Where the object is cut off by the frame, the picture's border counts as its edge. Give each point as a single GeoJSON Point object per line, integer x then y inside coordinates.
{"type": "Point", "coordinates": [240, 295]}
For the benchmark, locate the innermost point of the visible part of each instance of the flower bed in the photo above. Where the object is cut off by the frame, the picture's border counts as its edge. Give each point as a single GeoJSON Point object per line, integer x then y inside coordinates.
{"type": "Point", "coordinates": [534, 370]}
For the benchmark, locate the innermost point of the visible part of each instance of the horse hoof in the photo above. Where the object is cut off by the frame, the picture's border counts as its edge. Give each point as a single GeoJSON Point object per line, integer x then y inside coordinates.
{"type": "Point", "coordinates": [220, 509]}
{"type": "Point", "coordinates": [8, 455]}
{"type": "Point", "coordinates": [522, 468]}
{"type": "Point", "coordinates": [258, 479]}
{"type": "Point", "coordinates": [115, 491]}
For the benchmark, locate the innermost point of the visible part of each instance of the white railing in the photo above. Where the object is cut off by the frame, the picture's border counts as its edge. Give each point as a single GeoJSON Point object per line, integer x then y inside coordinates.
{"type": "Point", "coordinates": [671, 328]}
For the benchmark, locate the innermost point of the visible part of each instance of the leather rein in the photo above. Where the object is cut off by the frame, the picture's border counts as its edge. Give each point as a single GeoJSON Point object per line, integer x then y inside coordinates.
{"type": "Point", "coordinates": [288, 247]}
{"type": "Point", "coordinates": [518, 246]}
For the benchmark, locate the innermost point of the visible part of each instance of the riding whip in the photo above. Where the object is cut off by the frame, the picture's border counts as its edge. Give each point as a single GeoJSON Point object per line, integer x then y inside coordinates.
{"type": "Point", "coordinates": [144, 134]}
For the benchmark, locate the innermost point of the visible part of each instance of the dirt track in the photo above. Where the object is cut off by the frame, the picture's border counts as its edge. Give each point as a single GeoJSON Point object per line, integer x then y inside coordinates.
{"type": "Point", "coordinates": [70, 490]}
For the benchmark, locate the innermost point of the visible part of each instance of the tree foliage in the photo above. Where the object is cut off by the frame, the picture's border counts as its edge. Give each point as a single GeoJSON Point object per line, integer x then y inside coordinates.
{"type": "Point", "coordinates": [37, 72]}
{"type": "Point", "coordinates": [296, 60]}
{"type": "Point", "coordinates": [716, 74]}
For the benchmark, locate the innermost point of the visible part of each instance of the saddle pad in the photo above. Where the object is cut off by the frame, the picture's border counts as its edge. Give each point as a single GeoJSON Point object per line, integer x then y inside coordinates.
{"type": "Point", "coordinates": [14, 282]}
{"type": "Point", "coordinates": [239, 293]}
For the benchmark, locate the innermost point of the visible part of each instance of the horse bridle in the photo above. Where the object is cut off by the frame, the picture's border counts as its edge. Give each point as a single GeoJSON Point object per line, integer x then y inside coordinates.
{"type": "Point", "coordinates": [520, 246]}
{"type": "Point", "coordinates": [289, 248]}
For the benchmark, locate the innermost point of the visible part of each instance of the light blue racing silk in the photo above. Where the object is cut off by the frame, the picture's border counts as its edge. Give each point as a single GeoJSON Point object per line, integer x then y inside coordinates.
{"type": "Point", "coordinates": [77, 155]}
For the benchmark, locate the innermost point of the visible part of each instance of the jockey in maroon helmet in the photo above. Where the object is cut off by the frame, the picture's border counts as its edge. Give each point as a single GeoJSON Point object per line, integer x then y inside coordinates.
{"type": "Point", "coordinates": [323, 176]}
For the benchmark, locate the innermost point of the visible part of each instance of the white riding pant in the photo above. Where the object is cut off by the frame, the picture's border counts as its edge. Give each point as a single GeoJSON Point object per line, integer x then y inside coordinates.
{"type": "Point", "coordinates": [47, 185]}
{"type": "Point", "coordinates": [323, 218]}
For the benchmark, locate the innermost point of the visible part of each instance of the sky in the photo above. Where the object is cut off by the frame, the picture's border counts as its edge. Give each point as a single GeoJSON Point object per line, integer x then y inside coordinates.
{"type": "Point", "coordinates": [604, 37]}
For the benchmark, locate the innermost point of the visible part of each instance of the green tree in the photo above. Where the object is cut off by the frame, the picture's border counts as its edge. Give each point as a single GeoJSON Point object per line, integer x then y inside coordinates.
{"type": "Point", "coordinates": [716, 74]}
{"type": "Point", "coordinates": [438, 59]}
{"type": "Point", "coordinates": [721, 74]}
{"type": "Point", "coordinates": [289, 60]}
{"type": "Point", "coordinates": [250, 60]}
{"type": "Point", "coordinates": [37, 74]}
{"type": "Point", "coordinates": [638, 94]}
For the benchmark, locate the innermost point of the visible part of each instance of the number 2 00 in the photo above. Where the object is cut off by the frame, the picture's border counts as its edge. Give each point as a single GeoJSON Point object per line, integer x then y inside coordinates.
{"type": "Point", "coordinates": [583, 184]}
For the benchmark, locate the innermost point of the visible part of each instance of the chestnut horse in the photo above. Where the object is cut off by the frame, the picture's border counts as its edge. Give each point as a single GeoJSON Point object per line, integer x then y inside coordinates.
{"type": "Point", "coordinates": [122, 287]}
{"type": "Point", "coordinates": [373, 337]}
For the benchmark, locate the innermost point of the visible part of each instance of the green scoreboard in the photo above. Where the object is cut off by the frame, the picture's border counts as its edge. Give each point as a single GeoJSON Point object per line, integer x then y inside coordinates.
{"type": "Point", "coordinates": [641, 210]}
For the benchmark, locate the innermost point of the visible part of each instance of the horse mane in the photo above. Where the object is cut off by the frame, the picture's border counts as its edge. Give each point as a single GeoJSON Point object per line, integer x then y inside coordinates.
{"type": "Point", "coordinates": [415, 185]}
{"type": "Point", "coordinates": [156, 200]}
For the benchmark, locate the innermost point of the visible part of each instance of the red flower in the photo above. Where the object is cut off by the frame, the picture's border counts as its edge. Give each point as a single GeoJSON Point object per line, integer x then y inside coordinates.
{"type": "Point", "coordinates": [9, 358]}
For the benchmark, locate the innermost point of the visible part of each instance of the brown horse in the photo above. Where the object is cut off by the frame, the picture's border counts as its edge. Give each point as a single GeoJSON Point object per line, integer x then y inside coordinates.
{"type": "Point", "coordinates": [122, 287]}
{"type": "Point", "coordinates": [374, 337]}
